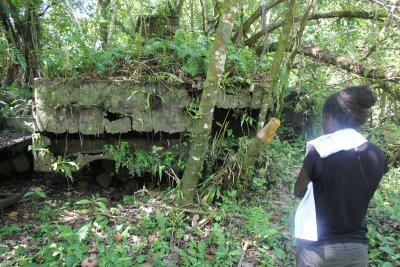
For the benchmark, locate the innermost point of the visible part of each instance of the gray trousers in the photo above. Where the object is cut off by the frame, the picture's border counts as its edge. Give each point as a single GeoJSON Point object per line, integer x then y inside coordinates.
{"type": "Point", "coordinates": [337, 254]}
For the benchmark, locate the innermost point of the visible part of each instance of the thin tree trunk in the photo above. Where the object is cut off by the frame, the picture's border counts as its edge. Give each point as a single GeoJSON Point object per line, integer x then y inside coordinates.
{"type": "Point", "coordinates": [247, 23]}
{"type": "Point", "coordinates": [273, 74]}
{"type": "Point", "coordinates": [131, 17]}
{"type": "Point", "coordinates": [203, 13]}
{"type": "Point", "coordinates": [97, 26]}
{"type": "Point", "coordinates": [179, 7]}
{"type": "Point", "coordinates": [71, 11]}
{"type": "Point", "coordinates": [292, 56]}
{"type": "Point", "coordinates": [191, 17]}
{"type": "Point", "coordinates": [104, 22]}
{"type": "Point", "coordinates": [113, 10]}
{"type": "Point", "coordinates": [239, 40]}
{"type": "Point", "coordinates": [202, 124]}
{"type": "Point", "coordinates": [266, 16]}
{"type": "Point", "coordinates": [381, 36]}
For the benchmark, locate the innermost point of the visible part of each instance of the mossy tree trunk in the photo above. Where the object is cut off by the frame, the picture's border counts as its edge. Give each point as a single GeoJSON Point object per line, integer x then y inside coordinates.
{"type": "Point", "coordinates": [273, 74]}
{"type": "Point", "coordinates": [202, 123]}
{"type": "Point", "coordinates": [295, 50]}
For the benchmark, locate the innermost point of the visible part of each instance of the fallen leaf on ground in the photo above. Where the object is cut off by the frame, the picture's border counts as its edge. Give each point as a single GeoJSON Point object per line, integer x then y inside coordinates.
{"type": "Point", "coordinates": [118, 236]}
{"type": "Point", "coordinates": [152, 238]}
{"type": "Point", "coordinates": [13, 214]}
{"type": "Point", "coordinates": [209, 257]}
{"type": "Point", "coordinates": [186, 237]}
{"type": "Point", "coordinates": [195, 218]}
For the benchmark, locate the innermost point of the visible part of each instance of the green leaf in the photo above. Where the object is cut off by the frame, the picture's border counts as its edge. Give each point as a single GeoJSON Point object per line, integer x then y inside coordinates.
{"type": "Point", "coordinates": [83, 232]}
{"type": "Point", "coordinates": [388, 250]}
{"type": "Point", "coordinates": [387, 264]}
{"type": "Point", "coordinates": [373, 254]}
{"type": "Point", "coordinates": [140, 258]}
{"type": "Point", "coordinates": [124, 260]}
{"type": "Point", "coordinates": [280, 253]}
{"type": "Point", "coordinates": [71, 260]}
{"type": "Point", "coordinates": [27, 194]}
{"type": "Point", "coordinates": [41, 194]}
{"type": "Point", "coordinates": [83, 202]}
{"type": "Point", "coordinates": [102, 206]}
{"type": "Point", "coordinates": [21, 250]}
{"type": "Point", "coordinates": [3, 249]}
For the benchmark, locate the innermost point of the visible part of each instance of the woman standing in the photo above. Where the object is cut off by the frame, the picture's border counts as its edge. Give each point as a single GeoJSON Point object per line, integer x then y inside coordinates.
{"type": "Point", "coordinates": [340, 174]}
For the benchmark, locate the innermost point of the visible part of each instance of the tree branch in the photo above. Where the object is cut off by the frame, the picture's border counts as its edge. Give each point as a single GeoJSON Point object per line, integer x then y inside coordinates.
{"type": "Point", "coordinates": [253, 17]}
{"type": "Point", "coordinates": [352, 65]}
{"type": "Point", "coordinates": [334, 14]}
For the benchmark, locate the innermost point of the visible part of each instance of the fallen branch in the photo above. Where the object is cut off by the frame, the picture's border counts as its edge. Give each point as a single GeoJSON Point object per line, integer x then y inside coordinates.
{"type": "Point", "coordinates": [10, 199]}
{"type": "Point", "coordinates": [246, 244]}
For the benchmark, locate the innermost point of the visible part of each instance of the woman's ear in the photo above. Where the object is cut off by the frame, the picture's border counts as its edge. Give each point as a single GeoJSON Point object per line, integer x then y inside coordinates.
{"type": "Point", "coordinates": [327, 123]}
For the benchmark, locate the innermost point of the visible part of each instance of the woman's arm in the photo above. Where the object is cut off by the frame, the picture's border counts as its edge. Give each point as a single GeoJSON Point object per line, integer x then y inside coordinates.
{"type": "Point", "coordinates": [300, 187]}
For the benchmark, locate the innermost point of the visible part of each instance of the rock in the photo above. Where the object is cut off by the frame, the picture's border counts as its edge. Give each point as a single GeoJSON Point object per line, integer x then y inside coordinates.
{"type": "Point", "coordinates": [20, 163]}
{"type": "Point", "coordinates": [104, 179]}
{"type": "Point", "coordinates": [131, 187]}
{"type": "Point", "coordinates": [108, 165]}
{"type": "Point", "coordinates": [123, 176]}
{"type": "Point", "coordinates": [84, 185]}
{"type": "Point", "coordinates": [117, 195]}
{"type": "Point", "coordinates": [6, 168]}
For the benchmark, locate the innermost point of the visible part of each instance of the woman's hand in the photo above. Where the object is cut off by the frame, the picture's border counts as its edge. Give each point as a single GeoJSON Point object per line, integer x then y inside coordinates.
{"type": "Point", "coordinates": [300, 187]}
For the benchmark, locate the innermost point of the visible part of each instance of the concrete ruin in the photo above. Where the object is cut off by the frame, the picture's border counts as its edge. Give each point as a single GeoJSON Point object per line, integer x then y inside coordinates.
{"type": "Point", "coordinates": [77, 118]}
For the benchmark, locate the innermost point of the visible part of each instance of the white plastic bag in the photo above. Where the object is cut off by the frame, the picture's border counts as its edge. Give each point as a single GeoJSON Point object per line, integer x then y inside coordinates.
{"type": "Point", "coordinates": [305, 221]}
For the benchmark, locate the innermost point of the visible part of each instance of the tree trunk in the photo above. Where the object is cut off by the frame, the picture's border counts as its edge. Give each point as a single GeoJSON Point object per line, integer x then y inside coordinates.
{"type": "Point", "coordinates": [113, 10]}
{"type": "Point", "coordinates": [202, 123]}
{"type": "Point", "coordinates": [273, 74]}
{"type": "Point", "coordinates": [293, 53]}
{"type": "Point", "coordinates": [22, 29]}
{"type": "Point", "coordinates": [191, 17]}
{"type": "Point", "coordinates": [204, 19]}
{"type": "Point", "coordinates": [131, 19]}
{"type": "Point", "coordinates": [105, 20]}
{"type": "Point", "coordinates": [179, 7]}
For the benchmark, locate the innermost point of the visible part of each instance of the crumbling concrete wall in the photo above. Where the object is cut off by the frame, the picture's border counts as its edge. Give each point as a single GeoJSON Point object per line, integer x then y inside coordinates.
{"type": "Point", "coordinates": [85, 107]}
{"type": "Point", "coordinates": [94, 108]}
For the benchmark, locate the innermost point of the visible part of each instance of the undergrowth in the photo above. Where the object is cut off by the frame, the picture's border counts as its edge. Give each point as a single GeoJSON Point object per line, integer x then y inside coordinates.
{"type": "Point", "coordinates": [146, 229]}
{"type": "Point", "coordinates": [182, 60]}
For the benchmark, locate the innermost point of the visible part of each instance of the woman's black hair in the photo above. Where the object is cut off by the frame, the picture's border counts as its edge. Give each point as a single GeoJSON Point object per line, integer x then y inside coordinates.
{"type": "Point", "coordinates": [350, 106]}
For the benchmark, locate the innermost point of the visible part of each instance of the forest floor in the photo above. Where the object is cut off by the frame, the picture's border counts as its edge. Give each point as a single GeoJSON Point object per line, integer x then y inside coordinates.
{"type": "Point", "coordinates": [57, 226]}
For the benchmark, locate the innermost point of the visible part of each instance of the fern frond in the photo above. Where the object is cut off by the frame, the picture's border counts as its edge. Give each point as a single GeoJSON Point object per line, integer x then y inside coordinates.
{"type": "Point", "coordinates": [20, 57]}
